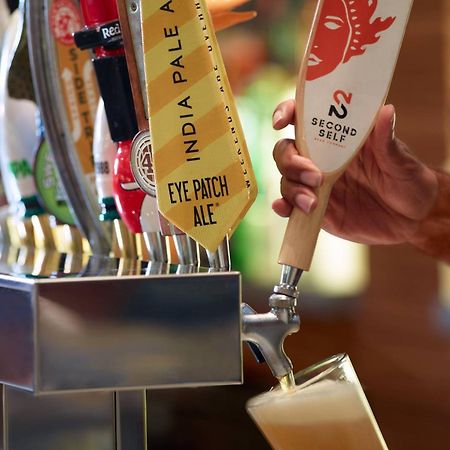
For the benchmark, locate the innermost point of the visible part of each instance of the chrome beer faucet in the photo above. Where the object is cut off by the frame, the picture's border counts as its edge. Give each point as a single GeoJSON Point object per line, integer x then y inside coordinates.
{"type": "Point", "coordinates": [267, 332]}
{"type": "Point", "coordinates": [220, 261]}
{"type": "Point", "coordinates": [187, 250]}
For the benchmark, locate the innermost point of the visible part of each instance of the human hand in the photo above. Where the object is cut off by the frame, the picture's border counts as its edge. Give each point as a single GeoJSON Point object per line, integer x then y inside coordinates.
{"type": "Point", "coordinates": [381, 197]}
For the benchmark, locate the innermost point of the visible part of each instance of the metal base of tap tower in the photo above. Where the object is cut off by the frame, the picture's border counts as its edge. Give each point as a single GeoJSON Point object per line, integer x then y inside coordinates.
{"type": "Point", "coordinates": [77, 354]}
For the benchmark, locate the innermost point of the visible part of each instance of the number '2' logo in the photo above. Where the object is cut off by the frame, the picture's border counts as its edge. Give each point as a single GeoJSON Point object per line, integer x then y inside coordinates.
{"type": "Point", "coordinates": [341, 99]}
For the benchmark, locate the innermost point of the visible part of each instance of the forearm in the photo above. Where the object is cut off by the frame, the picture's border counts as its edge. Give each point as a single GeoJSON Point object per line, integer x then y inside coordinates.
{"type": "Point", "coordinates": [433, 234]}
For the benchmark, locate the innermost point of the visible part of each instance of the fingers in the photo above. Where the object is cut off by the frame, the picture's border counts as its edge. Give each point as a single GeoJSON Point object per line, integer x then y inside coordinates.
{"type": "Point", "coordinates": [282, 207]}
{"type": "Point", "coordinates": [300, 175]}
{"type": "Point", "coordinates": [298, 195]}
{"type": "Point", "coordinates": [294, 196]}
{"type": "Point", "coordinates": [300, 178]}
{"type": "Point", "coordinates": [284, 115]}
{"type": "Point", "coordinates": [295, 167]}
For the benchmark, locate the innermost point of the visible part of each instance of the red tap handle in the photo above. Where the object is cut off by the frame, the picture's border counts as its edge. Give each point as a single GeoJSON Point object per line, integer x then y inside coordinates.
{"type": "Point", "coordinates": [98, 12]}
{"type": "Point", "coordinates": [101, 16]}
{"type": "Point", "coordinates": [110, 67]}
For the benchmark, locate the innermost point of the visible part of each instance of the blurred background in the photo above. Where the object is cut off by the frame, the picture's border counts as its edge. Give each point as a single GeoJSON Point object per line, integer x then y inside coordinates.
{"type": "Point", "coordinates": [388, 307]}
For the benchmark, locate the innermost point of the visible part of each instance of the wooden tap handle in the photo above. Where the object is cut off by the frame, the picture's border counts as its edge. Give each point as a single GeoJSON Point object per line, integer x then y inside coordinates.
{"type": "Point", "coordinates": [337, 100]}
{"type": "Point", "coordinates": [303, 230]}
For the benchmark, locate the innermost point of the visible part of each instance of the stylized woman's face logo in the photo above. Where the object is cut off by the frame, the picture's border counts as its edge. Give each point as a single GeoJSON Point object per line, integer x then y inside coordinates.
{"type": "Point", "coordinates": [331, 39]}
{"type": "Point", "coordinates": [345, 29]}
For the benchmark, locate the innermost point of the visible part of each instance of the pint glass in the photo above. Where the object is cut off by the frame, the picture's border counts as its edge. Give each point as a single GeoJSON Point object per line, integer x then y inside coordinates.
{"type": "Point", "coordinates": [326, 410]}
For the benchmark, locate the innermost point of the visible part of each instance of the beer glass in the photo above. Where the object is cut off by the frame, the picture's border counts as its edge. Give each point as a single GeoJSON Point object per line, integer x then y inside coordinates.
{"type": "Point", "coordinates": [326, 410]}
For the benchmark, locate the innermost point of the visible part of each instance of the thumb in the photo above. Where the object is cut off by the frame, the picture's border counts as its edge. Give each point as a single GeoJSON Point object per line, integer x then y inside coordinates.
{"type": "Point", "coordinates": [384, 130]}
{"type": "Point", "coordinates": [388, 151]}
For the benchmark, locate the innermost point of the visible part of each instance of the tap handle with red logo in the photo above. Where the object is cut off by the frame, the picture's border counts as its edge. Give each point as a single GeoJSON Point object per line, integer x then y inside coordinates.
{"type": "Point", "coordinates": [102, 34]}
{"type": "Point", "coordinates": [344, 80]}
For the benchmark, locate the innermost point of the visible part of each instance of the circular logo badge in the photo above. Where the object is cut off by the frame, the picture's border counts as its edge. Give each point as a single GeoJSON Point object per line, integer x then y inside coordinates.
{"type": "Point", "coordinates": [64, 21]}
{"type": "Point", "coordinates": [142, 163]}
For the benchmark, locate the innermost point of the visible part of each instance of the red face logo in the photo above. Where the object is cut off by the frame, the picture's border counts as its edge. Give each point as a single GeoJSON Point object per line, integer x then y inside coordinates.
{"type": "Point", "coordinates": [345, 30]}
{"type": "Point", "coordinates": [64, 20]}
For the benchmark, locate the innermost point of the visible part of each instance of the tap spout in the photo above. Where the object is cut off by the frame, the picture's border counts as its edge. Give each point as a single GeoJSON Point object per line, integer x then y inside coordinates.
{"type": "Point", "coordinates": [268, 331]}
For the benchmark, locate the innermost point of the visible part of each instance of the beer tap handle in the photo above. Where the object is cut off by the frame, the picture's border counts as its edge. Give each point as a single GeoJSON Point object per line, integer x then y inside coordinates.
{"type": "Point", "coordinates": [130, 21]}
{"type": "Point", "coordinates": [302, 231]}
{"type": "Point", "coordinates": [129, 14]}
{"type": "Point", "coordinates": [55, 61]}
{"type": "Point", "coordinates": [335, 111]}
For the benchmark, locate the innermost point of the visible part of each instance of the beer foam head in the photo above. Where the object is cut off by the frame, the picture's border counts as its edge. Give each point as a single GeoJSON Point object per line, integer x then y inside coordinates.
{"type": "Point", "coordinates": [324, 401]}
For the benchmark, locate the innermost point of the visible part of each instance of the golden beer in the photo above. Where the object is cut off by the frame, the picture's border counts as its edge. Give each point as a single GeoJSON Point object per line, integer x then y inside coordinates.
{"type": "Point", "coordinates": [326, 412]}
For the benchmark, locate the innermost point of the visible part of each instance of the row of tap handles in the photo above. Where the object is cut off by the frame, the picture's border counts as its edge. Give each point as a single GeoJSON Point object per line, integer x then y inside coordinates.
{"type": "Point", "coordinates": [108, 35]}
{"type": "Point", "coordinates": [130, 216]}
